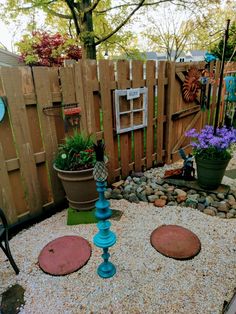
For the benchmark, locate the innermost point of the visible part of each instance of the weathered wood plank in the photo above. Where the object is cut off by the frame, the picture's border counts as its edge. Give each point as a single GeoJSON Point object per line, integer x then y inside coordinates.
{"type": "Point", "coordinates": [44, 99]}
{"type": "Point", "coordinates": [106, 71]}
{"type": "Point", "coordinates": [160, 109]}
{"type": "Point", "coordinates": [6, 195]}
{"type": "Point", "coordinates": [12, 82]}
{"type": "Point", "coordinates": [151, 82]}
{"type": "Point", "coordinates": [123, 82]}
{"type": "Point", "coordinates": [80, 97]}
{"type": "Point", "coordinates": [137, 81]}
{"type": "Point", "coordinates": [171, 96]}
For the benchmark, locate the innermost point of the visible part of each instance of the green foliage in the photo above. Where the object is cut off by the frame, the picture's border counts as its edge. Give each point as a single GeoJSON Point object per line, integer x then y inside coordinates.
{"type": "Point", "coordinates": [230, 53]}
{"type": "Point", "coordinates": [77, 153]}
{"type": "Point", "coordinates": [42, 48]}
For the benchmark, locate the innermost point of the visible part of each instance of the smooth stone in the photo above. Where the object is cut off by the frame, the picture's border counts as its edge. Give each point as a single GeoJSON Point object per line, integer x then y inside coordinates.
{"type": "Point", "coordinates": [152, 198]}
{"type": "Point", "coordinates": [221, 196]}
{"type": "Point", "coordinates": [180, 192]}
{"type": "Point", "coordinates": [209, 200]}
{"type": "Point", "coordinates": [107, 194]}
{"type": "Point", "coordinates": [143, 179]}
{"type": "Point", "coordinates": [154, 186]}
{"type": "Point", "coordinates": [128, 188]}
{"type": "Point", "coordinates": [202, 199]}
{"type": "Point", "coordinates": [163, 197]}
{"type": "Point", "coordinates": [209, 211]}
{"type": "Point", "coordinates": [191, 191]}
{"type": "Point", "coordinates": [136, 180]}
{"type": "Point", "coordinates": [172, 203]}
{"type": "Point", "coordinates": [213, 196]}
{"type": "Point", "coordinates": [142, 197]}
{"type": "Point", "coordinates": [200, 207]}
{"type": "Point", "coordinates": [140, 189]}
{"type": "Point", "coordinates": [160, 203]}
{"type": "Point", "coordinates": [229, 215]}
{"type": "Point", "coordinates": [231, 202]}
{"type": "Point", "coordinates": [221, 215]}
{"type": "Point", "coordinates": [149, 191]}
{"type": "Point", "coordinates": [118, 184]}
{"type": "Point", "coordinates": [223, 207]}
{"type": "Point", "coordinates": [232, 211]}
{"type": "Point", "coordinates": [159, 193]}
{"type": "Point", "coordinates": [181, 198]}
{"type": "Point", "coordinates": [191, 202]}
{"type": "Point", "coordinates": [194, 196]}
{"type": "Point", "coordinates": [160, 181]}
{"type": "Point", "coordinates": [138, 174]}
{"type": "Point", "coordinates": [133, 198]}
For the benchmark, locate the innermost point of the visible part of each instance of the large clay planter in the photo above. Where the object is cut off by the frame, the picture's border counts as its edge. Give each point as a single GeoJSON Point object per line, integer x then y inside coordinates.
{"type": "Point", "coordinates": [210, 172]}
{"type": "Point", "coordinates": [80, 188]}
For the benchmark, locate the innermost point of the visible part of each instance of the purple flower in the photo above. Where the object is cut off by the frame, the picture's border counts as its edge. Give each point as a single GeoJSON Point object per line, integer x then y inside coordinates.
{"type": "Point", "coordinates": [208, 144]}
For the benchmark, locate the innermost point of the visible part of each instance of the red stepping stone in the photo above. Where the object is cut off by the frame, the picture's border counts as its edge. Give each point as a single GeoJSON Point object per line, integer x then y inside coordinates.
{"type": "Point", "coordinates": [64, 255]}
{"type": "Point", "coordinates": [175, 241]}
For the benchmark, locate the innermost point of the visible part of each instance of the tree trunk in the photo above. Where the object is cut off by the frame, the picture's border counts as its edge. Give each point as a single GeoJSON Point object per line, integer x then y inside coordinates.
{"type": "Point", "coordinates": [87, 33]}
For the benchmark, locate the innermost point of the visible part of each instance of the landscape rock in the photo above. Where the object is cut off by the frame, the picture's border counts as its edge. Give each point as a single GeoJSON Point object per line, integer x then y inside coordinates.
{"type": "Point", "coordinates": [160, 203]}
{"type": "Point", "coordinates": [209, 211]}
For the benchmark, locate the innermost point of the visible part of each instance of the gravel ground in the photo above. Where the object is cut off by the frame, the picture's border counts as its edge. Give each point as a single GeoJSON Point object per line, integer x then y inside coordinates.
{"type": "Point", "coordinates": [146, 281]}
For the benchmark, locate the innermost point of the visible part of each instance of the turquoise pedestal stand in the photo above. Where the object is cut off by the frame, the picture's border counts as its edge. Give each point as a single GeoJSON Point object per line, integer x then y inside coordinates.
{"type": "Point", "coordinates": [105, 238]}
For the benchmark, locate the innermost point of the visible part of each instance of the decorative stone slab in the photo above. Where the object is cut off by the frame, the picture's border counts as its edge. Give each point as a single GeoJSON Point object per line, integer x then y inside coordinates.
{"type": "Point", "coordinates": [64, 255]}
{"type": "Point", "coordinates": [175, 241]}
{"type": "Point", "coordinates": [222, 188]}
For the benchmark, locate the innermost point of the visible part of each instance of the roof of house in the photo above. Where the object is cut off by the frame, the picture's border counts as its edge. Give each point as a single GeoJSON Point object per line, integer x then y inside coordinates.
{"type": "Point", "coordinates": [8, 58]}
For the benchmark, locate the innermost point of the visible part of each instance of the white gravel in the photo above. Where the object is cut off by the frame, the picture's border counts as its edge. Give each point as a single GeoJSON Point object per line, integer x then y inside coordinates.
{"type": "Point", "coordinates": [146, 281]}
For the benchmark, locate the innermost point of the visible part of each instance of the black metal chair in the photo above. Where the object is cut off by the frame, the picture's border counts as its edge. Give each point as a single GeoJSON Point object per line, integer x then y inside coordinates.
{"type": "Point", "coordinates": [4, 238]}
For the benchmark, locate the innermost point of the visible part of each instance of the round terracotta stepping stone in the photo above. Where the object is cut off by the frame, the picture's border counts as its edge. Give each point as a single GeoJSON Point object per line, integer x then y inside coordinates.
{"type": "Point", "coordinates": [175, 241]}
{"type": "Point", "coordinates": [64, 255]}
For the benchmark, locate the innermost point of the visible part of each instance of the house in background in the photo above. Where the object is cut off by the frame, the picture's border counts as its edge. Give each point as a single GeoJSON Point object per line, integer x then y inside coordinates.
{"type": "Point", "coordinates": [8, 58]}
{"type": "Point", "coordinates": [190, 56]}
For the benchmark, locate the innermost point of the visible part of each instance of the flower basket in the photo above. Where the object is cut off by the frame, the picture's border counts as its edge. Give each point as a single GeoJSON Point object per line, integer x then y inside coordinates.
{"type": "Point", "coordinates": [74, 164]}
{"type": "Point", "coordinates": [210, 172]}
{"type": "Point", "coordinates": [212, 151]}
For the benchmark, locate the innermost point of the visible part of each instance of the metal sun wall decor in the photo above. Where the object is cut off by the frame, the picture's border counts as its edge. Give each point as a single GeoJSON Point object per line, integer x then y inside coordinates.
{"type": "Point", "coordinates": [191, 85]}
{"type": "Point", "coordinates": [105, 238]}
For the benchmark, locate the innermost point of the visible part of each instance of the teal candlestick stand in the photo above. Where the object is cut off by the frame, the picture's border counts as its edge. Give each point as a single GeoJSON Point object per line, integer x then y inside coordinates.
{"type": "Point", "coordinates": [105, 238]}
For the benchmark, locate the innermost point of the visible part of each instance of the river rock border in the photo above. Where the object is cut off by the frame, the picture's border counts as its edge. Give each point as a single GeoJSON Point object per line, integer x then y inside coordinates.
{"type": "Point", "coordinates": [146, 188]}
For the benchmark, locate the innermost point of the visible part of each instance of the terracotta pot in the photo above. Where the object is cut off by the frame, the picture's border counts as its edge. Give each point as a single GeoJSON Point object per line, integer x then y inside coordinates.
{"type": "Point", "coordinates": [80, 188]}
{"type": "Point", "coordinates": [210, 172]}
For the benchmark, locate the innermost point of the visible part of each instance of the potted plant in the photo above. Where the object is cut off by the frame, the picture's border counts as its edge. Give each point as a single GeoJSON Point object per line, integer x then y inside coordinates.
{"type": "Point", "coordinates": [74, 164]}
{"type": "Point", "coordinates": [212, 153]}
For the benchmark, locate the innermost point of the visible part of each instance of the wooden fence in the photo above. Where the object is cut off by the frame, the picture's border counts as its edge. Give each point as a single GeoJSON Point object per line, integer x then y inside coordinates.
{"type": "Point", "coordinates": [34, 125]}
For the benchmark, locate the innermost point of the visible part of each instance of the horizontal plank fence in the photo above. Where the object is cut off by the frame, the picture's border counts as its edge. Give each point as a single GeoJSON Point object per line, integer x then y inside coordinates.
{"type": "Point", "coordinates": [34, 124]}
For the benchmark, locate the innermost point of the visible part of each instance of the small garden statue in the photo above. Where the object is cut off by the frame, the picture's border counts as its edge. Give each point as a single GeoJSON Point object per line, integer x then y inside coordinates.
{"type": "Point", "coordinates": [104, 238]}
{"type": "Point", "coordinates": [188, 172]}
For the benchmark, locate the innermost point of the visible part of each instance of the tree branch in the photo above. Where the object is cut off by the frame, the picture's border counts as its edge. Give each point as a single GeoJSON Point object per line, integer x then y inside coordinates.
{"type": "Point", "coordinates": [121, 24]}
{"type": "Point", "coordinates": [92, 7]}
{"type": "Point", "coordinates": [70, 4]}
{"type": "Point", "coordinates": [63, 16]}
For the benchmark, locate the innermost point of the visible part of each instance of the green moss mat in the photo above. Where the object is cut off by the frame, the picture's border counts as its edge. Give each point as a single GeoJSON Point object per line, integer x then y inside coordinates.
{"type": "Point", "coordinates": [231, 173]}
{"type": "Point", "coordinates": [75, 217]}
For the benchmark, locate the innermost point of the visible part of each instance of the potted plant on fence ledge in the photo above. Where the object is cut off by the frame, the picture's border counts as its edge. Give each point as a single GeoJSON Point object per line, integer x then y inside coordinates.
{"type": "Point", "coordinates": [212, 154]}
{"type": "Point", "coordinates": [74, 164]}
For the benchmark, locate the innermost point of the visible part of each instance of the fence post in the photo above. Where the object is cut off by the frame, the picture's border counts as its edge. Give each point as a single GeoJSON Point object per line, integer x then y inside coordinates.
{"type": "Point", "coordinates": [160, 109]}
{"type": "Point", "coordinates": [171, 97]}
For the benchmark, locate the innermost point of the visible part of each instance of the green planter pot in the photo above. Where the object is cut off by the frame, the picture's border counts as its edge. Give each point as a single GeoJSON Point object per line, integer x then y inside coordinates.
{"type": "Point", "coordinates": [210, 172]}
{"type": "Point", "coordinates": [80, 188]}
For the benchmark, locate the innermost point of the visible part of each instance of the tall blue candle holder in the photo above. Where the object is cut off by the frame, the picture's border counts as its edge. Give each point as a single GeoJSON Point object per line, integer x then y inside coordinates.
{"type": "Point", "coordinates": [105, 238]}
